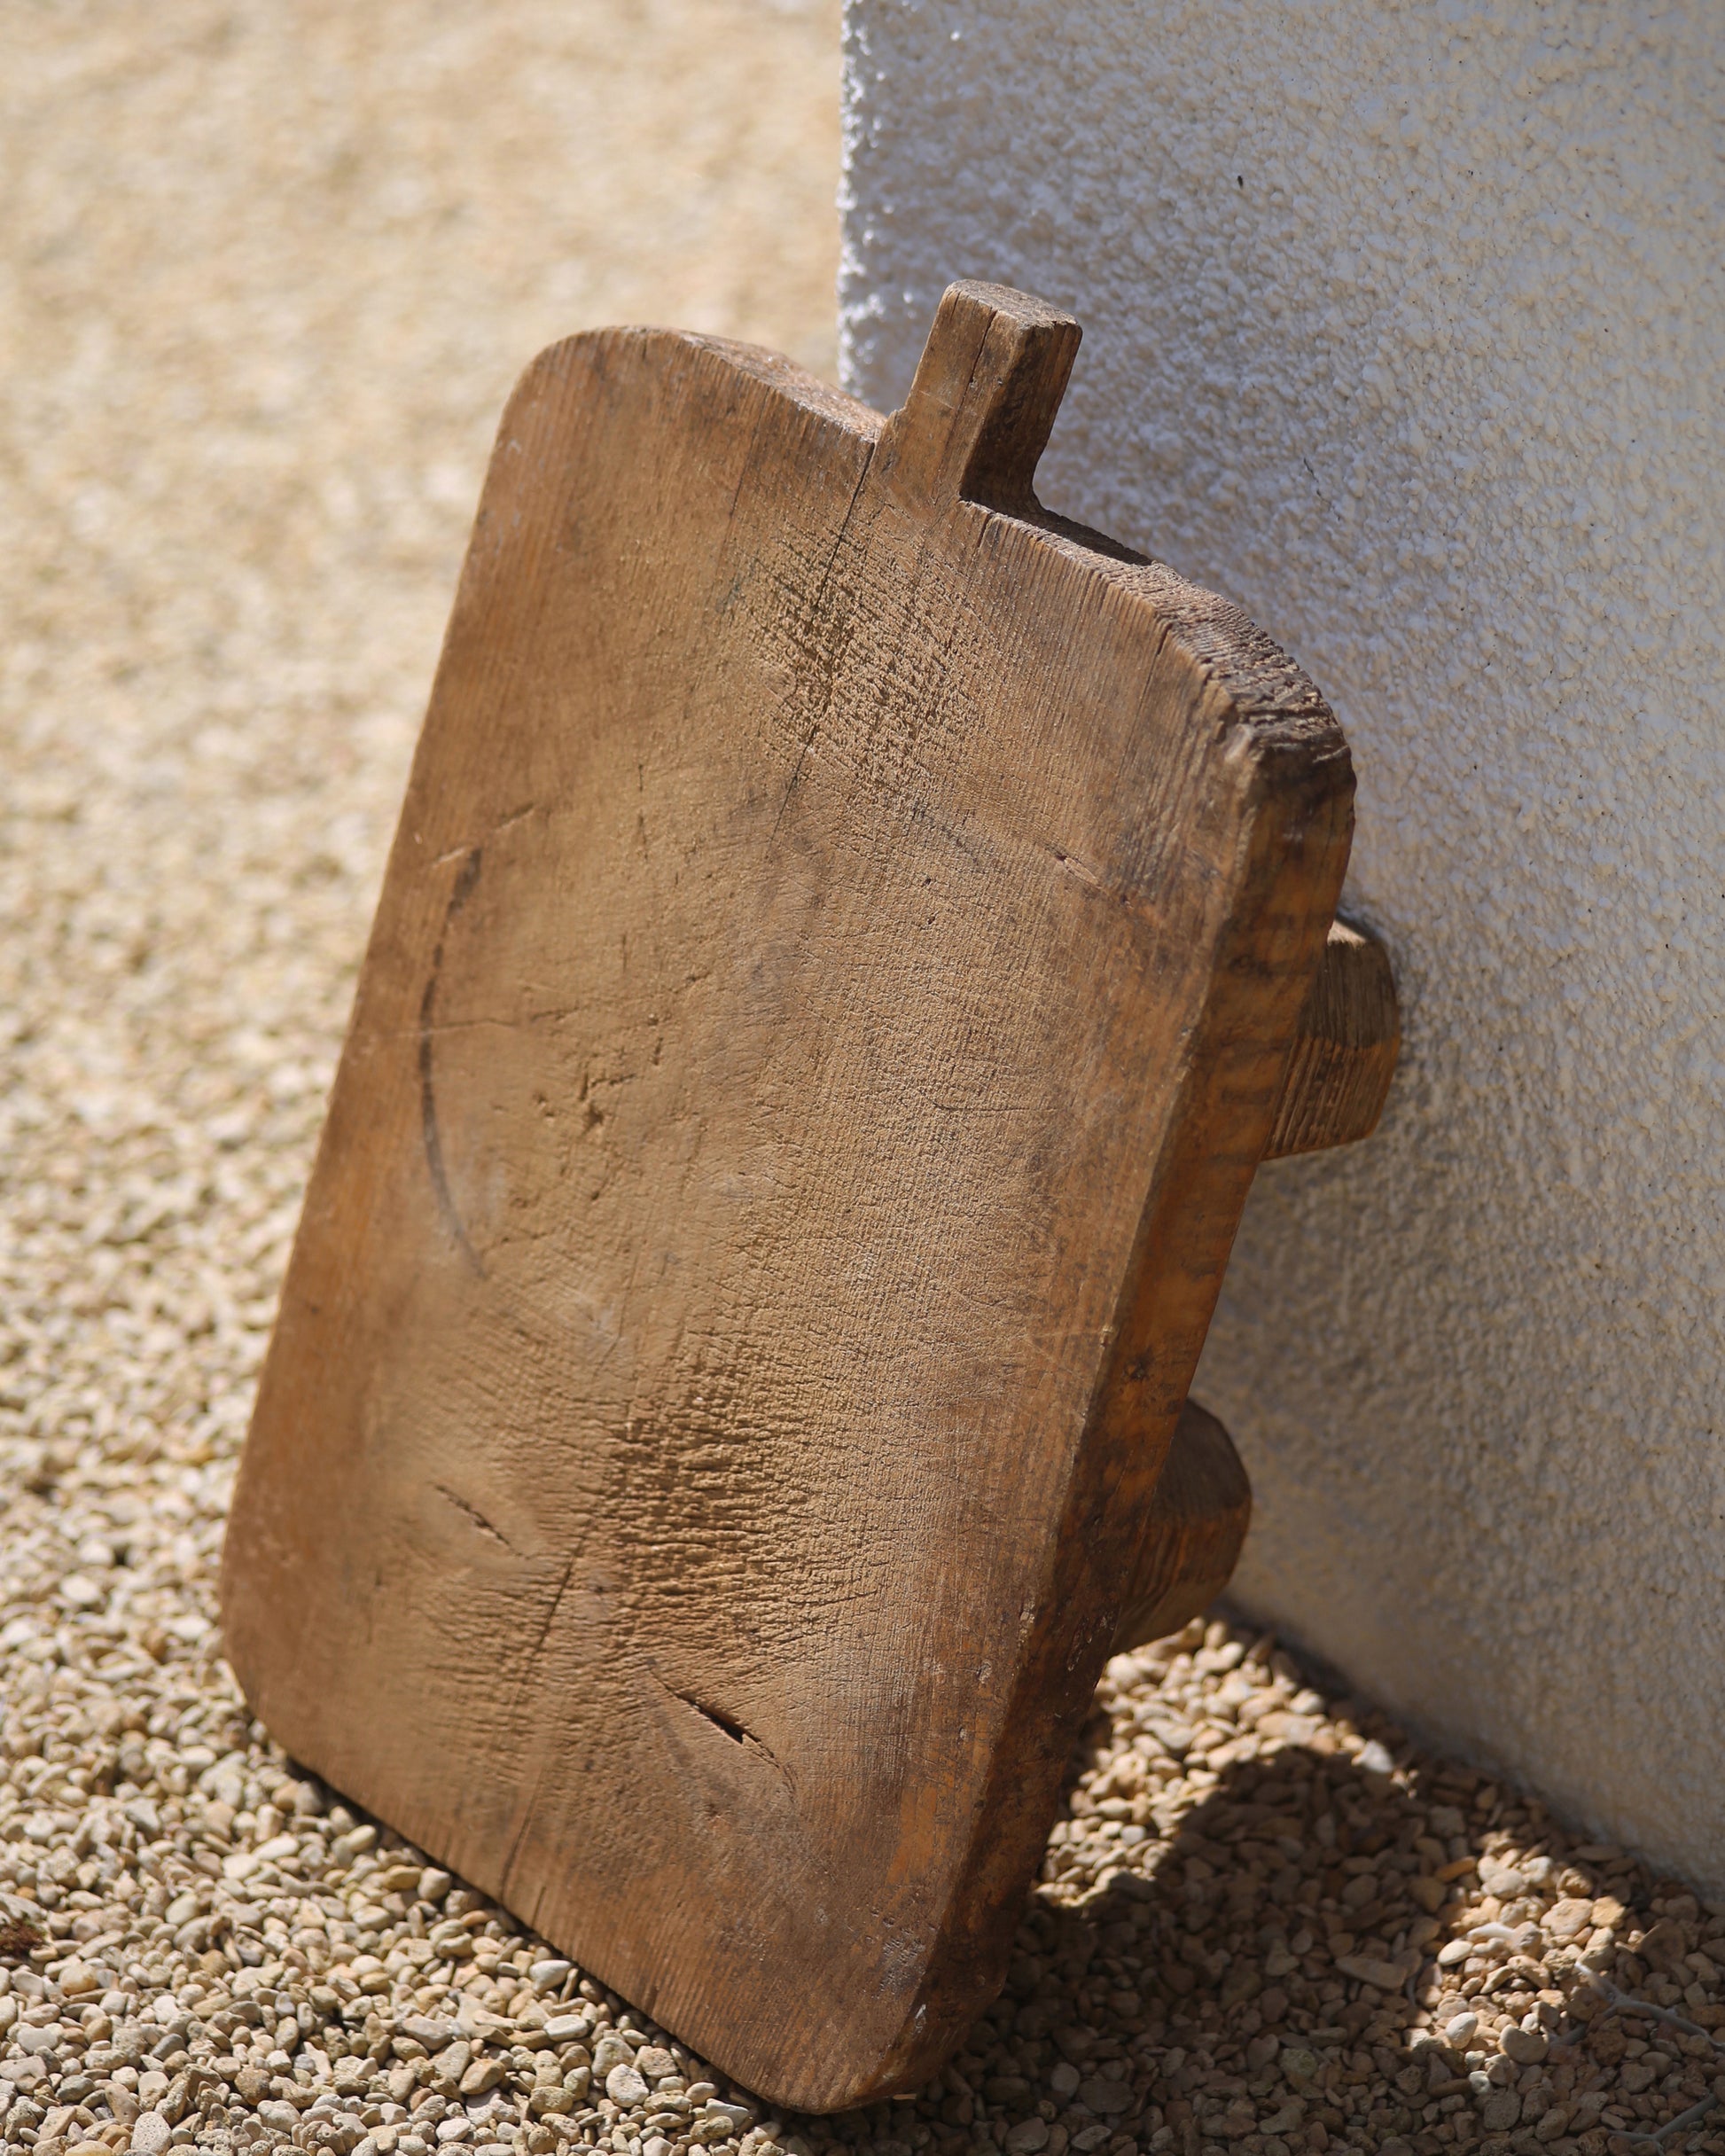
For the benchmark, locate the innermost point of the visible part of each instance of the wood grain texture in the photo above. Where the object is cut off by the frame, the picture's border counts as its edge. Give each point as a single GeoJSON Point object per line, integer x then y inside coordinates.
{"type": "Point", "coordinates": [1197, 1526]}
{"type": "Point", "coordinates": [831, 989]}
{"type": "Point", "coordinates": [1344, 1048]}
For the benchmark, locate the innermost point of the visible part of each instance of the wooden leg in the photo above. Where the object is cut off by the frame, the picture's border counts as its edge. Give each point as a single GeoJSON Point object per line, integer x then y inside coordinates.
{"type": "Point", "coordinates": [1198, 1522]}
{"type": "Point", "coordinates": [1345, 1051]}
{"type": "Point", "coordinates": [1338, 1076]}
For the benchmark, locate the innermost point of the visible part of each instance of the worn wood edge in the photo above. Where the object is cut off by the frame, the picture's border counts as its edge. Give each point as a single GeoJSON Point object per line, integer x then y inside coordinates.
{"type": "Point", "coordinates": [1345, 1052]}
{"type": "Point", "coordinates": [1193, 1539]}
{"type": "Point", "coordinates": [1015, 410]}
{"type": "Point", "coordinates": [545, 372]}
{"type": "Point", "coordinates": [1259, 688]}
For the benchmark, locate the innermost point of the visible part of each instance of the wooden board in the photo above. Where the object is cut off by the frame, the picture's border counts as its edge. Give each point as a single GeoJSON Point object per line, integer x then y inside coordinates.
{"type": "Point", "coordinates": [834, 981]}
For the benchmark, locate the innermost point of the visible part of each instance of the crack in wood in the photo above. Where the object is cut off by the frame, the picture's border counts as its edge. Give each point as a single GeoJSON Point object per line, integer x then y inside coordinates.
{"type": "Point", "coordinates": [429, 1030]}
{"type": "Point", "coordinates": [480, 1520]}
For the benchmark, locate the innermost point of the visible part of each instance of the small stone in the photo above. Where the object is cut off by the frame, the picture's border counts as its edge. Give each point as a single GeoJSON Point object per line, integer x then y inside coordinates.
{"type": "Point", "coordinates": [453, 2060]}
{"type": "Point", "coordinates": [625, 2086]}
{"type": "Point", "coordinates": [568, 2028]}
{"type": "Point", "coordinates": [1500, 2111]}
{"type": "Point", "coordinates": [1459, 2031]}
{"type": "Point", "coordinates": [1526, 2046]}
{"type": "Point", "coordinates": [1026, 2138]}
{"type": "Point", "coordinates": [1663, 1948]}
{"type": "Point", "coordinates": [549, 1975]}
{"type": "Point", "coordinates": [1452, 1954]}
{"type": "Point", "coordinates": [151, 2133]}
{"type": "Point", "coordinates": [430, 2031]}
{"type": "Point", "coordinates": [484, 2074]}
{"type": "Point", "coordinates": [611, 2050]}
{"type": "Point", "coordinates": [1108, 2099]}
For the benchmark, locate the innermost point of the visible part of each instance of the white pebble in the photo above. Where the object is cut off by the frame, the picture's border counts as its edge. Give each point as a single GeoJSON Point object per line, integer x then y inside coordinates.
{"type": "Point", "coordinates": [625, 2086]}
{"type": "Point", "coordinates": [612, 2050]}
{"type": "Point", "coordinates": [151, 2133]}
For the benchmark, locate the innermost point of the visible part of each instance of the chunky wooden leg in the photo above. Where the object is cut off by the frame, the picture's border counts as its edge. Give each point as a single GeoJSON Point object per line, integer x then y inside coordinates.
{"type": "Point", "coordinates": [1339, 1074]}
{"type": "Point", "coordinates": [1345, 1049]}
{"type": "Point", "coordinates": [1198, 1522]}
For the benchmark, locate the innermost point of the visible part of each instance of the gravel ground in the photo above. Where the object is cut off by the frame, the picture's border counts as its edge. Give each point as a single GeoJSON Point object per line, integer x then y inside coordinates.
{"type": "Point", "coordinates": [266, 276]}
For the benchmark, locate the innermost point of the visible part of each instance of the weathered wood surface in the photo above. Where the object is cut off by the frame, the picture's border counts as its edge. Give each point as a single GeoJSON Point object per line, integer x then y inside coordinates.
{"type": "Point", "coordinates": [833, 983]}
{"type": "Point", "coordinates": [1345, 1049]}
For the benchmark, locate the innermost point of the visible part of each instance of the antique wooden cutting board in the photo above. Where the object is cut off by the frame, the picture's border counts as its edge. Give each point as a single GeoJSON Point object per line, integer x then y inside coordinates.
{"type": "Point", "coordinates": [832, 988]}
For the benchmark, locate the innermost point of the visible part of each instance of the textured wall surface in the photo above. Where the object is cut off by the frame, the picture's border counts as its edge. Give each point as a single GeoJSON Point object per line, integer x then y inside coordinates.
{"type": "Point", "coordinates": [1404, 328]}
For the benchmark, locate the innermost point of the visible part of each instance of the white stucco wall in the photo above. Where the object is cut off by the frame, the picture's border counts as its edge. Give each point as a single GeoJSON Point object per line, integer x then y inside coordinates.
{"type": "Point", "coordinates": [1404, 327]}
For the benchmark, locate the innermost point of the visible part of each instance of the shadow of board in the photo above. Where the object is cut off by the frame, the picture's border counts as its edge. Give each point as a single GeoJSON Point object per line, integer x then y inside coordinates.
{"type": "Point", "coordinates": [1189, 1967]}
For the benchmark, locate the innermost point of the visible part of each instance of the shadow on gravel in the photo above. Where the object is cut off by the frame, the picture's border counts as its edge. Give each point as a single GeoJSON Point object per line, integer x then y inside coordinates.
{"type": "Point", "coordinates": [1254, 1984]}
{"type": "Point", "coordinates": [1272, 1947]}
{"type": "Point", "coordinates": [1235, 1967]}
